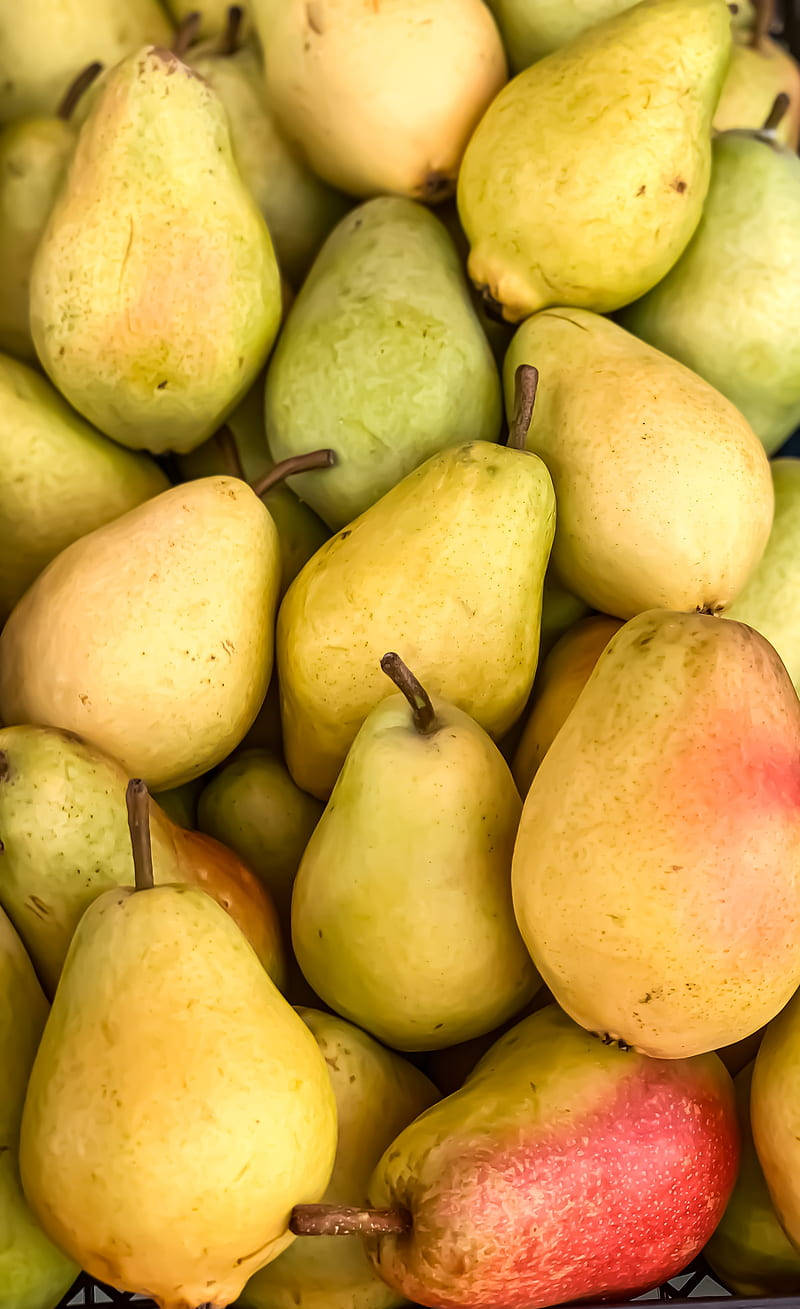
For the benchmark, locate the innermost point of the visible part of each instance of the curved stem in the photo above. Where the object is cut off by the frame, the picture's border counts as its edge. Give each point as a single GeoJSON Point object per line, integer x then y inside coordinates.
{"type": "Point", "coordinates": [186, 33]}
{"type": "Point", "coordinates": [414, 692]}
{"type": "Point", "coordinates": [4, 769]}
{"type": "Point", "coordinates": [340, 1220]}
{"type": "Point", "coordinates": [137, 798]}
{"type": "Point", "coordinates": [778, 111]}
{"type": "Point", "coordinates": [297, 464]}
{"type": "Point", "coordinates": [526, 381]}
{"type": "Point", "coordinates": [231, 38]}
{"type": "Point", "coordinates": [765, 12]}
{"type": "Point", "coordinates": [76, 89]}
{"type": "Point", "coordinates": [229, 450]}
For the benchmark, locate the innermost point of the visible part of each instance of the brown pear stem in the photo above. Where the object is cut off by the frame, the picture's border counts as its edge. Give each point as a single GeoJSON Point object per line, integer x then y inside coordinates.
{"type": "Point", "coordinates": [526, 381]}
{"type": "Point", "coordinates": [414, 692]}
{"type": "Point", "coordinates": [232, 36]}
{"type": "Point", "coordinates": [186, 33]}
{"type": "Point", "coordinates": [339, 1220]}
{"type": "Point", "coordinates": [229, 450]}
{"type": "Point", "coordinates": [137, 798]}
{"type": "Point", "coordinates": [779, 106]}
{"type": "Point", "coordinates": [76, 89]}
{"type": "Point", "coordinates": [765, 13]}
{"type": "Point", "coordinates": [297, 464]}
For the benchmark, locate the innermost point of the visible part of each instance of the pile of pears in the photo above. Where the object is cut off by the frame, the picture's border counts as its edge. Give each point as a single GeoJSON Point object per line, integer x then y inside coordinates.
{"type": "Point", "coordinates": [399, 651]}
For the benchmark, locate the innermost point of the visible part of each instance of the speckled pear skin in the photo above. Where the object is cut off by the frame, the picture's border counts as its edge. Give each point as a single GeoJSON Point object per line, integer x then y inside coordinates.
{"type": "Point", "coordinates": [664, 491]}
{"type": "Point", "coordinates": [655, 873]}
{"type": "Point", "coordinates": [160, 625]}
{"type": "Point", "coordinates": [155, 293]}
{"type": "Point", "coordinates": [730, 308]}
{"type": "Point", "coordinates": [178, 1107]}
{"type": "Point", "coordinates": [59, 478]}
{"type": "Point", "coordinates": [756, 75]}
{"type": "Point", "coordinates": [382, 358]}
{"type": "Point", "coordinates": [33, 1273]}
{"type": "Point", "coordinates": [377, 1094]}
{"type": "Point", "coordinates": [587, 174]}
{"type": "Point", "coordinates": [413, 568]}
{"type": "Point", "coordinates": [768, 602]}
{"type": "Point", "coordinates": [563, 1169]}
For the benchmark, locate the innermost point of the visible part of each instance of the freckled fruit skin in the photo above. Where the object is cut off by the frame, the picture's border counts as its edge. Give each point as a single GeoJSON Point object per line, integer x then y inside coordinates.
{"type": "Point", "coordinates": [563, 1169]}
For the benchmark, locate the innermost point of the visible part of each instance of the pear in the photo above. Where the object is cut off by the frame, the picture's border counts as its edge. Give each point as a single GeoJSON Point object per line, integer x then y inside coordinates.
{"type": "Point", "coordinates": [774, 1115]}
{"type": "Point", "coordinates": [180, 804]}
{"type": "Point", "coordinates": [586, 177]}
{"type": "Point", "coordinates": [560, 611]}
{"type": "Point", "coordinates": [59, 478]}
{"type": "Point", "coordinates": [161, 627]}
{"type": "Point", "coordinates": [64, 834]}
{"type": "Point", "coordinates": [165, 1031]}
{"type": "Point", "coordinates": [749, 1251]}
{"type": "Point", "coordinates": [153, 307]}
{"type": "Point", "coordinates": [33, 1273]}
{"type": "Point", "coordinates": [377, 1094]}
{"type": "Point", "coordinates": [654, 872]}
{"type": "Point", "coordinates": [532, 29]}
{"type": "Point", "coordinates": [45, 43]}
{"type": "Point", "coordinates": [482, 1187]}
{"type": "Point", "coordinates": [664, 492]}
{"type": "Point", "coordinates": [760, 69]}
{"type": "Point", "coordinates": [382, 353]}
{"type": "Point", "coordinates": [413, 568]}
{"type": "Point", "coordinates": [381, 98]}
{"type": "Point", "coordinates": [769, 601]}
{"type": "Point", "coordinates": [560, 681]}
{"type": "Point", "coordinates": [377, 905]}
{"type": "Point", "coordinates": [730, 308]}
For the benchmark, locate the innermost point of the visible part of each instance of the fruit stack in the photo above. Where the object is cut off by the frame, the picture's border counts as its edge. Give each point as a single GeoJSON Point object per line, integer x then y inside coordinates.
{"type": "Point", "coordinates": [400, 609]}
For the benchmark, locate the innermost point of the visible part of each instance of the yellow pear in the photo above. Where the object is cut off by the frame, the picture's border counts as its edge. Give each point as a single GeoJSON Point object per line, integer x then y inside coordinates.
{"type": "Point", "coordinates": [760, 69]}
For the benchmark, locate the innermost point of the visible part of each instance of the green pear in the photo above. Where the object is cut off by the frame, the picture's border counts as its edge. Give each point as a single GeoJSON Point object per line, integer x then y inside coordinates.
{"type": "Point", "coordinates": [769, 601]}
{"type": "Point", "coordinates": [560, 611]}
{"type": "Point", "coordinates": [253, 806]}
{"type": "Point", "coordinates": [586, 176]}
{"type": "Point", "coordinates": [180, 804]}
{"type": "Point", "coordinates": [33, 1273]}
{"type": "Point", "coordinates": [532, 29]}
{"type": "Point", "coordinates": [155, 293]}
{"type": "Point", "coordinates": [382, 355]}
{"type": "Point", "coordinates": [750, 1251]}
{"type": "Point", "coordinates": [381, 98]}
{"type": "Point", "coordinates": [59, 478]}
{"type": "Point", "coordinates": [654, 872]}
{"type": "Point", "coordinates": [408, 867]}
{"type": "Point", "coordinates": [165, 1032]}
{"type": "Point", "coordinates": [664, 492]}
{"type": "Point", "coordinates": [45, 43]}
{"type": "Point", "coordinates": [161, 627]}
{"type": "Point", "coordinates": [758, 72]}
{"type": "Point", "coordinates": [299, 208]}
{"type": "Point", "coordinates": [377, 1094]}
{"type": "Point", "coordinates": [730, 308]}
{"type": "Point", "coordinates": [414, 571]}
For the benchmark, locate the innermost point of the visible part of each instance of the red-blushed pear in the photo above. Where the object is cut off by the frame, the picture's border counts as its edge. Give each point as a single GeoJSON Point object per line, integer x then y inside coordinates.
{"type": "Point", "coordinates": [656, 873]}
{"type": "Point", "coordinates": [563, 1169]}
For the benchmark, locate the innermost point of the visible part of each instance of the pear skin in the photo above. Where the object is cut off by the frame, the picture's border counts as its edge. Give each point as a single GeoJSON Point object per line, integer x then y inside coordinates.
{"type": "Point", "coordinates": [180, 804]}
{"type": "Point", "coordinates": [414, 570]}
{"type": "Point", "coordinates": [654, 872]}
{"type": "Point", "coordinates": [774, 1115]}
{"type": "Point", "coordinates": [756, 75]}
{"type": "Point", "coordinates": [153, 308]}
{"type": "Point", "coordinates": [561, 679]}
{"type": "Point", "coordinates": [33, 1273]}
{"type": "Point", "coordinates": [586, 176]}
{"type": "Point", "coordinates": [59, 478]}
{"type": "Point", "coordinates": [383, 355]}
{"type": "Point", "coordinates": [560, 611]}
{"type": "Point", "coordinates": [161, 627]}
{"type": "Point", "coordinates": [532, 29]}
{"type": "Point", "coordinates": [377, 1094]}
{"type": "Point", "coordinates": [496, 1177]}
{"type": "Point", "coordinates": [630, 437]}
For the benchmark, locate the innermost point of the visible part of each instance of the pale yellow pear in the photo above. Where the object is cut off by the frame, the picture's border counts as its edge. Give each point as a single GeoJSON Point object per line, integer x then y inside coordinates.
{"type": "Point", "coordinates": [759, 72]}
{"type": "Point", "coordinates": [160, 627]}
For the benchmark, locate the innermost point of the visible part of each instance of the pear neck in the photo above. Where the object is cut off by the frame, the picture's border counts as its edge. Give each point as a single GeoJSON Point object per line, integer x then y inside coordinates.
{"type": "Point", "coordinates": [137, 799]}
{"type": "Point", "coordinates": [297, 464]}
{"type": "Point", "coordinates": [422, 710]}
{"type": "Point", "coordinates": [343, 1220]}
{"type": "Point", "coordinates": [526, 382]}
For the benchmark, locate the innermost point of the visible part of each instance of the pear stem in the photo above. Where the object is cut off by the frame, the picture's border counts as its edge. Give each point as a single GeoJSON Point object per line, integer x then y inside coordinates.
{"type": "Point", "coordinates": [231, 37]}
{"type": "Point", "coordinates": [339, 1220]}
{"type": "Point", "coordinates": [76, 89]}
{"type": "Point", "coordinates": [297, 464]}
{"type": "Point", "coordinates": [414, 692]}
{"type": "Point", "coordinates": [186, 33]}
{"type": "Point", "coordinates": [765, 12]}
{"type": "Point", "coordinates": [229, 450]}
{"type": "Point", "coordinates": [137, 798]}
{"type": "Point", "coordinates": [779, 106]}
{"type": "Point", "coordinates": [526, 381]}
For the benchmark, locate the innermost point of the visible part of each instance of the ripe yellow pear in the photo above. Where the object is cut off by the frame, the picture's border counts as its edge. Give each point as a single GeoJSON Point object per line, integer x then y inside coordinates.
{"type": "Point", "coordinates": [760, 69]}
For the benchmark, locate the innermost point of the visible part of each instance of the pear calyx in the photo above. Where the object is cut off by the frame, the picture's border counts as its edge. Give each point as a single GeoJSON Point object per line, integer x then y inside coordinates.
{"type": "Point", "coordinates": [76, 89]}
{"type": "Point", "coordinates": [421, 708]}
{"type": "Point", "coordinates": [526, 381]}
{"type": "Point", "coordinates": [186, 33]}
{"type": "Point", "coordinates": [297, 464]}
{"type": "Point", "coordinates": [341, 1220]}
{"type": "Point", "coordinates": [137, 799]}
{"type": "Point", "coordinates": [230, 40]}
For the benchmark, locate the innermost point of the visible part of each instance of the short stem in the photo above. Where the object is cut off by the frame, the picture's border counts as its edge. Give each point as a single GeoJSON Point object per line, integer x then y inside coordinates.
{"type": "Point", "coordinates": [186, 33]}
{"type": "Point", "coordinates": [339, 1220]}
{"type": "Point", "coordinates": [765, 12]}
{"type": "Point", "coordinates": [297, 464]}
{"type": "Point", "coordinates": [526, 380]}
{"type": "Point", "coordinates": [226, 444]}
{"type": "Point", "coordinates": [137, 798]}
{"type": "Point", "coordinates": [231, 37]}
{"type": "Point", "coordinates": [779, 106]}
{"type": "Point", "coordinates": [414, 692]}
{"type": "Point", "coordinates": [76, 89]}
